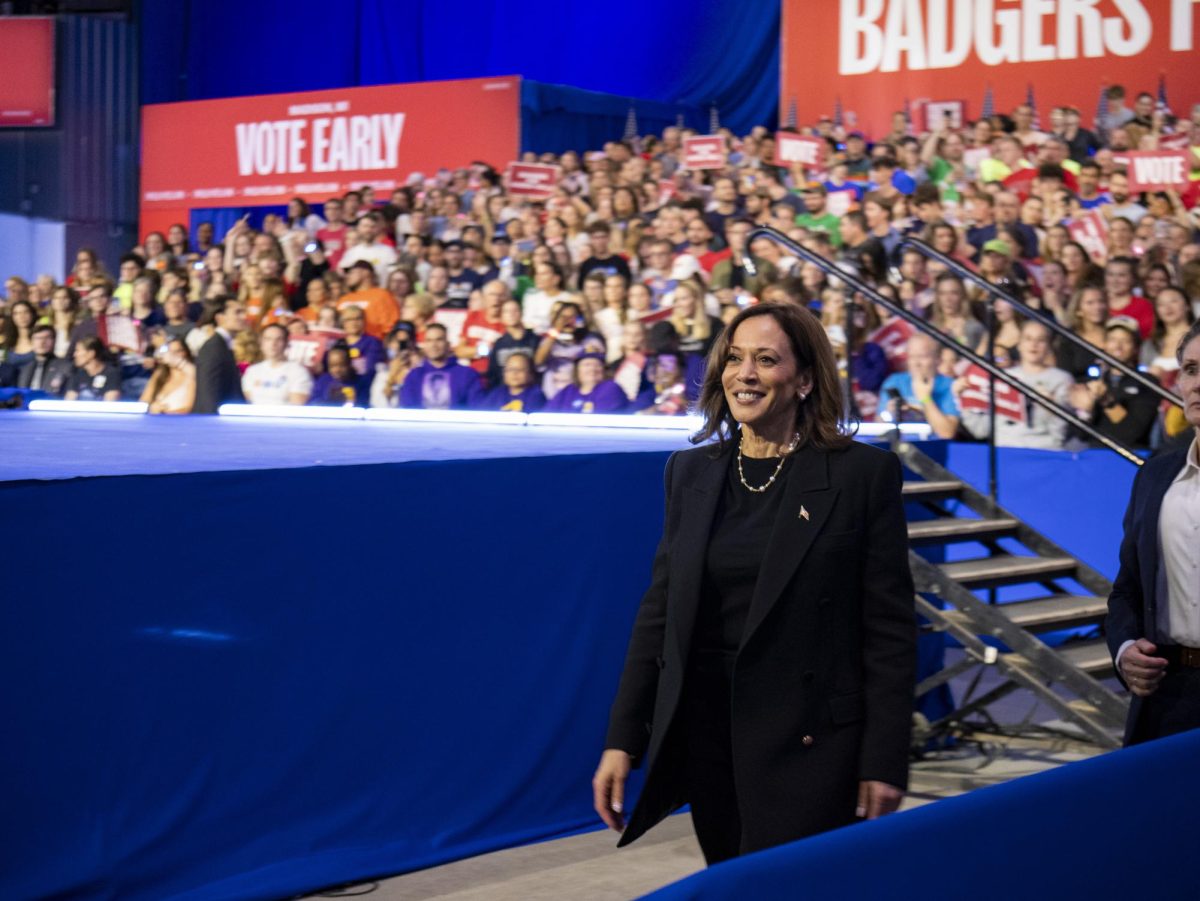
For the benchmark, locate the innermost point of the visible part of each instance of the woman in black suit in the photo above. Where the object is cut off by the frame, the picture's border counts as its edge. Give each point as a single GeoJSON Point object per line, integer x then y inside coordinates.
{"type": "Point", "coordinates": [769, 678]}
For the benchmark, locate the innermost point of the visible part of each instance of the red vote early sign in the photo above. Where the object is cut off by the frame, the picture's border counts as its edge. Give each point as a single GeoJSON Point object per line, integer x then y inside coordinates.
{"type": "Point", "coordinates": [533, 180]}
{"type": "Point", "coordinates": [1157, 170]}
{"type": "Point", "coordinates": [803, 149]}
{"type": "Point", "coordinates": [258, 151]}
{"type": "Point", "coordinates": [704, 152]}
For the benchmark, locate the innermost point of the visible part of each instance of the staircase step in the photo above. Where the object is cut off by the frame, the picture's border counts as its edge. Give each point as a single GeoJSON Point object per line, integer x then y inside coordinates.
{"type": "Point", "coordinates": [1005, 569]}
{"type": "Point", "coordinates": [932, 490]}
{"type": "Point", "coordinates": [1059, 611]}
{"type": "Point", "coordinates": [952, 529]}
{"type": "Point", "coordinates": [1090, 656]}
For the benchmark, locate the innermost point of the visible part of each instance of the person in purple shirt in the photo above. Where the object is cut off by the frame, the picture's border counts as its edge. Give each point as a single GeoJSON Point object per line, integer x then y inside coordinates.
{"type": "Point", "coordinates": [441, 382]}
{"type": "Point", "coordinates": [519, 392]}
{"type": "Point", "coordinates": [339, 385]}
{"type": "Point", "coordinates": [591, 392]}
{"type": "Point", "coordinates": [366, 351]}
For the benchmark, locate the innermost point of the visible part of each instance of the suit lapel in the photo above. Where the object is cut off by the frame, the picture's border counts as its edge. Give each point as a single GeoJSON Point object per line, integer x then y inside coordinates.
{"type": "Point", "coordinates": [806, 491]}
{"type": "Point", "coordinates": [700, 498]}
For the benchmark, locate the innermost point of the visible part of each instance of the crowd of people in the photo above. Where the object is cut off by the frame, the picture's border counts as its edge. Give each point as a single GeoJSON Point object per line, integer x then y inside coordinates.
{"type": "Point", "coordinates": [606, 296]}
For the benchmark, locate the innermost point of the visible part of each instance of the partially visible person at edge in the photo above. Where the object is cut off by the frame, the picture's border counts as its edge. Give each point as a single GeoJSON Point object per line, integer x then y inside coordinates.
{"type": "Point", "coordinates": [1153, 627]}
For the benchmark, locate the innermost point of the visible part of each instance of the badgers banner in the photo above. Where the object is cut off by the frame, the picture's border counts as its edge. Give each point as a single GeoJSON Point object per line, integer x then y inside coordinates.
{"type": "Point", "coordinates": [872, 55]}
{"type": "Point", "coordinates": [259, 151]}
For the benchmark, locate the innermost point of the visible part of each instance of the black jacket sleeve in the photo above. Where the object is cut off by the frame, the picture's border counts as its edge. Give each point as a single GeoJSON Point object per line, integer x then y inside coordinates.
{"type": "Point", "coordinates": [889, 631]}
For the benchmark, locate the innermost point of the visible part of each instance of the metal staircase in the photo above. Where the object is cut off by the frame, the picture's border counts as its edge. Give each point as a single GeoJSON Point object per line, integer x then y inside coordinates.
{"type": "Point", "coordinates": [1070, 594]}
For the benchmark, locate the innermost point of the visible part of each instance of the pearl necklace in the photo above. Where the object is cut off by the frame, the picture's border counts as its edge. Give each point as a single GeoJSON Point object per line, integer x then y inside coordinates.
{"type": "Point", "coordinates": [783, 458]}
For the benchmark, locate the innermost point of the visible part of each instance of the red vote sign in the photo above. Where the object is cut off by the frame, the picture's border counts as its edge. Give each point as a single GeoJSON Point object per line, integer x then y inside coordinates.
{"type": "Point", "coordinates": [309, 350]}
{"type": "Point", "coordinates": [704, 152]}
{"type": "Point", "coordinates": [1157, 170]}
{"type": "Point", "coordinates": [892, 339]}
{"type": "Point", "coordinates": [1090, 229]}
{"type": "Point", "coordinates": [533, 180]}
{"type": "Point", "coordinates": [1010, 403]}
{"type": "Point", "coordinates": [803, 149]}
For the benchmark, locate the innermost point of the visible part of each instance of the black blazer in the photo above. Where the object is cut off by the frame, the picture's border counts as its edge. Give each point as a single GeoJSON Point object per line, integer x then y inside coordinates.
{"type": "Point", "coordinates": [824, 676]}
{"type": "Point", "coordinates": [1133, 605]}
{"type": "Point", "coordinates": [55, 379]}
{"type": "Point", "coordinates": [218, 380]}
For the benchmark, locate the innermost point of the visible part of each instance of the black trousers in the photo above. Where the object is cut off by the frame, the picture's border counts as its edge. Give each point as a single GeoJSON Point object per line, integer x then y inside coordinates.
{"type": "Point", "coordinates": [708, 755]}
{"type": "Point", "coordinates": [1173, 708]}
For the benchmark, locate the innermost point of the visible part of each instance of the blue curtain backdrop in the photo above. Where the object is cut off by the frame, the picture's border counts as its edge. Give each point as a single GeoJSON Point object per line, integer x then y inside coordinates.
{"type": "Point", "coordinates": [679, 55]}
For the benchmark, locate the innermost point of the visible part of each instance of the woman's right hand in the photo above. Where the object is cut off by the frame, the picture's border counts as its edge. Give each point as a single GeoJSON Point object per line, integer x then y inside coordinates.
{"type": "Point", "coordinates": [608, 787]}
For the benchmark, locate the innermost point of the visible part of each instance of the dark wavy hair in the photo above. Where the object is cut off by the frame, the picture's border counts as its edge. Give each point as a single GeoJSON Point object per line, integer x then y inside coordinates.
{"type": "Point", "coordinates": [821, 420]}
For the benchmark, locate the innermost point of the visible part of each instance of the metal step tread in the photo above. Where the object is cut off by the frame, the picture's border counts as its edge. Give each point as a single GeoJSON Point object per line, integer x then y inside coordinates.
{"type": "Point", "coordinates": [1057, 610]}
{"type": "Point", "coordinates": [1090, 656]}
{"type": "Point", "coordinates": [956, 529]}
{"type": "Point", "coordinates": [931, 489]}
{"type": "Point", "coordinates": [1007, 569]}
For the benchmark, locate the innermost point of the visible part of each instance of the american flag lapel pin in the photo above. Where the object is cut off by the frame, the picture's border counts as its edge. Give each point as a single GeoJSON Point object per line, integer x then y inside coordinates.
{"type": "Point", "coordinates": [803, 513]}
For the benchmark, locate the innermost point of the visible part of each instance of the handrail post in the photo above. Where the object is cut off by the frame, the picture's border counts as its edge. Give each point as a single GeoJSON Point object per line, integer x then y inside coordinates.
{"type": "Point", "coordinates": [993, 489]}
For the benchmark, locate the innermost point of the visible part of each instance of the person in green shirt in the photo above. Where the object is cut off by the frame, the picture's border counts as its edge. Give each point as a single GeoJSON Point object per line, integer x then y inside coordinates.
{"type": "Point", "coordinates": [816, 217]}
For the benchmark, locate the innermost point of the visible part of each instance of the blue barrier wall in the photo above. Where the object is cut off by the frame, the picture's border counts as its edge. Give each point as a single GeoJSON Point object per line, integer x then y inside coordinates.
{"type": "Point", "coordinates": [245, 685]}
{"type": "Point", "coordinates": [1115, 826]}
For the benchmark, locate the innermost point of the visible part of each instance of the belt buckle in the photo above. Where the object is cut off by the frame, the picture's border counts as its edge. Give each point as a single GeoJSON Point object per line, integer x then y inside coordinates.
{"type": "Point", "coordinates": [1189, 657]}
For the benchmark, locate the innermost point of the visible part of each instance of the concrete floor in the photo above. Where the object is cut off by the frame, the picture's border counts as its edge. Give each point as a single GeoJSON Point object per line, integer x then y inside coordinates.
{"type": "Point", "coordinates": [590, 867]}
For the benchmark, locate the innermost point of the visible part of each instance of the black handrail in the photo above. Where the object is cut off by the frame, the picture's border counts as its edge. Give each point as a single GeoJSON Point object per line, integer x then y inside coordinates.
{"type": "Point", "coordinates": [968, 274]}
{"type": "Point", "coordinates": [830, 268]}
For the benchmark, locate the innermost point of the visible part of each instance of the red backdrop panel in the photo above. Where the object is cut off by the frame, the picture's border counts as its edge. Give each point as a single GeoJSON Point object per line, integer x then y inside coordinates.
{"type": "Point", "coordinates": [27, 85]}
{"type": "Point", "coordinates": [259, 151]}
{"type": "Point", "coordinates": [874, 54]}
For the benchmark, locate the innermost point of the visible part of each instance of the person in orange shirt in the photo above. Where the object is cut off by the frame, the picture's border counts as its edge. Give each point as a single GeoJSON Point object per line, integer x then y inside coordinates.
{"type": "Point", "coordinates": [318, 297]}
{"type": "Point", "coordinates": [378, 305]}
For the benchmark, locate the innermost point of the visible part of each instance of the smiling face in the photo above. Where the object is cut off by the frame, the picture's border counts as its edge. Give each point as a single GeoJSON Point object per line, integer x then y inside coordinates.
{"type": "Point", "coordinates": [762, 383]}
{"type": "Point", "coordinates": [590, 373]}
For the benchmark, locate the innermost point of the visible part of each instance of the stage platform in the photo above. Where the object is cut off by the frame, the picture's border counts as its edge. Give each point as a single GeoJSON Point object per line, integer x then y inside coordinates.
{"type": "Point", "coordinates": [245, 659]}
{"type": "Point", "coordinates": [71, 445]}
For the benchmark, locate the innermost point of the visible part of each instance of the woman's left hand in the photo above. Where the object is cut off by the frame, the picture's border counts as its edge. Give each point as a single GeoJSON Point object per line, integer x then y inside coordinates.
{"type": "Point", "coordinates": [877, 799]}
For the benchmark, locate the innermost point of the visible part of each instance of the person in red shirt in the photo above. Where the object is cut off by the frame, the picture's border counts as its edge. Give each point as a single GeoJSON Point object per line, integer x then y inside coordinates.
{"type": "Point", "coordinates": [1119, 282]}
{"type": "Point", "coordinates": [333, 235]}
{"type": "Point", "coordinates": [380, 307]}
{"type": "Point", "coordinates": [483, 327]}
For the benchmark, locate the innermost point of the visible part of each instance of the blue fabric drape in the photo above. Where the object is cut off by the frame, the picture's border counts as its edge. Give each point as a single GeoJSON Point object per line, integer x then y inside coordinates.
{"type": "Point", "coordinates": [1060, 834]}
{"type": "Point", "coordinates": [723, 52]}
